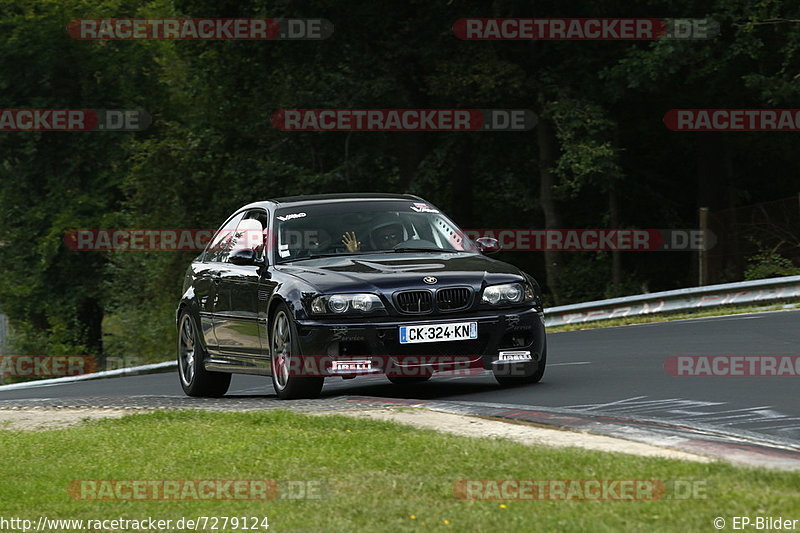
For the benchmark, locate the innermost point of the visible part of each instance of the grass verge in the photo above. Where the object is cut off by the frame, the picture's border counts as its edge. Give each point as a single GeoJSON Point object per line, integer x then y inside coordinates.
{"type": "Point", "coordinates": [380, 476]}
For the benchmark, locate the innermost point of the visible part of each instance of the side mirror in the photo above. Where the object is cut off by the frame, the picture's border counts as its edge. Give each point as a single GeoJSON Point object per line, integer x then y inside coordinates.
{"type": "Point", "coordinates": [245, 256]}
{"type": "Point", "coordinates": [488, 245]}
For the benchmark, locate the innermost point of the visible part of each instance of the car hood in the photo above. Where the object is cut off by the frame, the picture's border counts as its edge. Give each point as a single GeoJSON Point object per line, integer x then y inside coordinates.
{"type": "Point", "coordinates": [393, 271]}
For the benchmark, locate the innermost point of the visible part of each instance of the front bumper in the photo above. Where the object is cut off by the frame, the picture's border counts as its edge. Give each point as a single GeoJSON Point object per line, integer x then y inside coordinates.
{"type": "Point", "coordinates": [371, 346]}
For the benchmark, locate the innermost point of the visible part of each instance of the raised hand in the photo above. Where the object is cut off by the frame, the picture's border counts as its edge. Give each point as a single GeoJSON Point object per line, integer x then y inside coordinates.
{"type": "Point", "coordinates": [349, 240]}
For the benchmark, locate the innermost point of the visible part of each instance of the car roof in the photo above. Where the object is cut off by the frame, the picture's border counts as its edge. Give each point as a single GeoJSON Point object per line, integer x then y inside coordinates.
{"type": "Point", "coordinates": [292, 201]}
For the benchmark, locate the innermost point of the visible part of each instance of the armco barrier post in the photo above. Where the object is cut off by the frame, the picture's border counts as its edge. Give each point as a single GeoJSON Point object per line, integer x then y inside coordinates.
{"type": "Point", "coordinates": [702, 273]}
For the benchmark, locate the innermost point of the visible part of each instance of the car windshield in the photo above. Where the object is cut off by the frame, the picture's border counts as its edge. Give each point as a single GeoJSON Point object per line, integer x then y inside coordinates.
{"type": "Point", "coordinates": [361, 227]}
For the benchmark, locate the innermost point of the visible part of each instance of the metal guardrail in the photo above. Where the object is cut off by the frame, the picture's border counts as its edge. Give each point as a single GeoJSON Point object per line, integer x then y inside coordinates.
{"type": "Point", "coordinates": [744, 292]}
{"type": "Point", "coordinates": [128, 371]}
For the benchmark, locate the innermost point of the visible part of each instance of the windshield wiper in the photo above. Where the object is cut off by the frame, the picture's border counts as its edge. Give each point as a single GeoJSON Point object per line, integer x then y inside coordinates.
{"type": "Point", "coordinates": [320, 256]}
{"type": "Point", "coordinates": [434, 250]}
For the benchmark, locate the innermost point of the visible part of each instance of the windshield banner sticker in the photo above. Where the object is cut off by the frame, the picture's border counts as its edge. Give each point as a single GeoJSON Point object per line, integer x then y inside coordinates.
{"type": "Point", "coordinates": [284, 218]}
{"type": "Point", "coordinates": [423, 208]}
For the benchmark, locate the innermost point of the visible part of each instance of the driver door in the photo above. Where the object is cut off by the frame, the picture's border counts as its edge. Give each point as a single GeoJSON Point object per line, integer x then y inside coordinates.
{"type": "Point", "coordinates": [236, 318]}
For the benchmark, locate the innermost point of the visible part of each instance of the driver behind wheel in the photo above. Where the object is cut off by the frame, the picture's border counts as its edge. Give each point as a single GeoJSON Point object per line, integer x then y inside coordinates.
{"type": "Point", "coordinates": [387, 234]}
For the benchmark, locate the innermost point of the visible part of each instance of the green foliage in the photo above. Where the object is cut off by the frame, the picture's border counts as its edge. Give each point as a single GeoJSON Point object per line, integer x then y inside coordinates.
{"type": "Point", "coordinates": [588, 157]}
{"type": "Point", "coordinates": [769, 265]}
{"type": "Point", "coordinates": [588, 277]}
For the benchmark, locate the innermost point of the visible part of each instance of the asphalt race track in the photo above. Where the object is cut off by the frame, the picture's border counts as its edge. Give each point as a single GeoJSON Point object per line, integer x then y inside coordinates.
{"type": "Point", "coordinates": [615, 371]}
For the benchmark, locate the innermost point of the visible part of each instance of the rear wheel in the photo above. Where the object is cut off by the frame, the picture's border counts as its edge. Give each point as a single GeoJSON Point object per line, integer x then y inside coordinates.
{"type": "Point", "coordinates": [505, 376]}
{"type": "Point", "coordinates": [285, 356]}
{"type": "Point", "coordinates": [195, 379]}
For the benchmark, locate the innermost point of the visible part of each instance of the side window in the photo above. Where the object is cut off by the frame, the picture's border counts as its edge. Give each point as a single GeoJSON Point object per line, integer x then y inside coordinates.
{"type": "Point", "coordinates": [263, 218]}
{"type": "Point", "coordinates": [221, 244]}
{"type": "Point", "coordinates": [250, 231]}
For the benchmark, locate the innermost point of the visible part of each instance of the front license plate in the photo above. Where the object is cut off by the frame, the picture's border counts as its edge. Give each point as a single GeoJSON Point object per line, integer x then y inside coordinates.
{"type": "Point", "coordinates": [457, 331]}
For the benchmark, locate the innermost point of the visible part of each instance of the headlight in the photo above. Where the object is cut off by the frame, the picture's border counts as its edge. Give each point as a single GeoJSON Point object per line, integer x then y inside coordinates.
{"type": "Point", "coordinates": [513, 293]}
{"type": "Point", "coordinates": [364, 302]}
{"type": "Point", "coordinates": [342, 303]}
{"type": "Point", "coordinates": [338, 303]}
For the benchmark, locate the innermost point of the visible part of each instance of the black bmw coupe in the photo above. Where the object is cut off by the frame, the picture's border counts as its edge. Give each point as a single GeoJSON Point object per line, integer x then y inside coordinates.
{"type": "Point", "coordinates": [308, 287]}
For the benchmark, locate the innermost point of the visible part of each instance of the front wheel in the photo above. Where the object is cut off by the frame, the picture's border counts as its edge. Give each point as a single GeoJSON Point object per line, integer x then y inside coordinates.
{"type": "Point", "coordinates": [505, 375]}
{"type": "Point", "coordinates": [195, 379]}
{"type": "Point", "coordinates": [285, 357]}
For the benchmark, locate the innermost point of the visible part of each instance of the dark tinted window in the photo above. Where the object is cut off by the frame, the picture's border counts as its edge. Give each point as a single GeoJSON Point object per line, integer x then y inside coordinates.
{"type": "Point", "coordinates": [370, 226]}
{"type": "Point", "coordinates": [223, 241]}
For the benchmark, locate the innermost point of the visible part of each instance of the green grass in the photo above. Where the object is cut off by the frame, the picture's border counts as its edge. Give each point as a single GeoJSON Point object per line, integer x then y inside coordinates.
{"type": "Point", "coordinates": [379, 474]}
{"type": "Point", "coordinates": [666, 317]}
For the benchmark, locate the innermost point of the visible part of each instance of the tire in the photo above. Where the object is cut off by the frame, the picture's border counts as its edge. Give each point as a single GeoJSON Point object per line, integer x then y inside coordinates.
{"type": "Point", "coordinates": [405, 380]}
{"type": "Point", "coordinates": [195, 379]}
{"type": "Point", "coordinates": [284, 353]}
{"type": "Point", "coordinates": [536, 377]}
